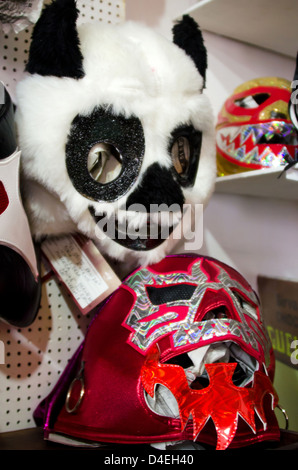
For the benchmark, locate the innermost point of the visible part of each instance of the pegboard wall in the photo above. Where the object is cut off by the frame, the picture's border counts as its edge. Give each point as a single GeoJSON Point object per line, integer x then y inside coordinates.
{"type": "Point", "coordinates": [32, 359]}
{"type": "Point", "coordinates": [14, 48]}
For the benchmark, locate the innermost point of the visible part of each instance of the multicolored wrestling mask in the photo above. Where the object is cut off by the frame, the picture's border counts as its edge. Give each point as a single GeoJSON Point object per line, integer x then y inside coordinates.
{"type": "Point", "coordinates": [254, 130]}
{"type": "Point", "coordinates": [179, 352]}
{"type": "Point", "coordinates": [115, 131]}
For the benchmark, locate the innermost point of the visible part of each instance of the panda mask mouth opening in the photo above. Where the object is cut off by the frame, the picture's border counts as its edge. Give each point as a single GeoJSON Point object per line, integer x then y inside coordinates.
{"type": "Point", "coordinates": [133, 231]}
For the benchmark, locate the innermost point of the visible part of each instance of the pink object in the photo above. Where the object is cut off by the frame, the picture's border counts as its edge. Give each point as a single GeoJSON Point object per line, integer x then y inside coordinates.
{"type": "Point", "coordinates": [183, 306]}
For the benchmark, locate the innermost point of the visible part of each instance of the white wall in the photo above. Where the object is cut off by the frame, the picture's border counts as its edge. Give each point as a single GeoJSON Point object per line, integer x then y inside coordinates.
{"type": "Point", "coordinates": [231, 63]}
{"type": "Point", "coordinates": [158, 14]}
{"type": "Point", "coordinates": [248, 232]}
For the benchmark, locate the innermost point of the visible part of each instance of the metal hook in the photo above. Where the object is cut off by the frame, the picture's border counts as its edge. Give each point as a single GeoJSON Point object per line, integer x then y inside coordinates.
{"type": "Point", "coordinates": [78, 378]}
{"type": "Point", "coordinates": [285, 416]}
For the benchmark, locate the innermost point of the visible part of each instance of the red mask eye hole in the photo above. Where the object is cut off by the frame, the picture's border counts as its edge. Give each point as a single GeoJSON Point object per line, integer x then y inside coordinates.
{"type": "Point", "coordinates": [171, 293]}
{"type": "Point", "coordinates": [252, 101]}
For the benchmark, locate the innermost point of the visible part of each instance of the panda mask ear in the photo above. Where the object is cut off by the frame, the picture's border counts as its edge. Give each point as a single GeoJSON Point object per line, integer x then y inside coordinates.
{"type": "Point", "coordinates": [55, 48]}
{"type": "Point", "coordinates": [188, 36]}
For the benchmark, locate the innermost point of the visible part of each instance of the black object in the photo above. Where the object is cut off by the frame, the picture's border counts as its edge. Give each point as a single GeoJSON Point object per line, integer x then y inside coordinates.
{"type": "Point", "coordinates": [19, 290]}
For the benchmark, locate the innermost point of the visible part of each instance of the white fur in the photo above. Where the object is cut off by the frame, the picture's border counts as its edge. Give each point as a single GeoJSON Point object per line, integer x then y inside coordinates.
{"type": "Point", "coordinates": [136, 72]}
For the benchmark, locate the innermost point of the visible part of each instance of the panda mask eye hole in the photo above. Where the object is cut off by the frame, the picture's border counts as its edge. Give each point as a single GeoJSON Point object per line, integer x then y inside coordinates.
{"type": "Point", "coordinates": [104, 163]}
{"type": "Point", "coordinates": [184, 149]}
{"type": "Point", "coordinates": [181, 155]}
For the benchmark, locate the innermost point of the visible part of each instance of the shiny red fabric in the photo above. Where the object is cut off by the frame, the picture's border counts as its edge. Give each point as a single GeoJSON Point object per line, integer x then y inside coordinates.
{"type": "Point", "coordinates": [231, 401]}
{"type": "Point", "coordinates": [4, 201]}
{"type": "Point", "coordinates": [114, 408]}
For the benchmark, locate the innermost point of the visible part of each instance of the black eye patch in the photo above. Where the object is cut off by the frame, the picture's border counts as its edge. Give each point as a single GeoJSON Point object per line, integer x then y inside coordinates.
{"type": "Point", "coordinates": [185, 148]}
{"type": "Point", "coordinates": [104, 153]}
{"type": "Point", "coordinates": [163, 295]}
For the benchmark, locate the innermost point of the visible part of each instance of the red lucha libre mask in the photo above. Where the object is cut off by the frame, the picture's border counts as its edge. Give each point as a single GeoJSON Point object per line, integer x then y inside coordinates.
{"type": "Point", "coordinates": [178, 352]}
{"type": "Point", "coordinates": [254, 130]}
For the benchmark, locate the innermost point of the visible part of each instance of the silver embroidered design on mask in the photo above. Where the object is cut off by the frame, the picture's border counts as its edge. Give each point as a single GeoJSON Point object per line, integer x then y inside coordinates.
{"type": "Point", "coordinates": [187, 330]}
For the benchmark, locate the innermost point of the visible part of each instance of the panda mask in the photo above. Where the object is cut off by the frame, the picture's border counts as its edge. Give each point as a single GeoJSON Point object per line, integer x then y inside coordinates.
{"type": "Point", "coordinates": [113, 126]}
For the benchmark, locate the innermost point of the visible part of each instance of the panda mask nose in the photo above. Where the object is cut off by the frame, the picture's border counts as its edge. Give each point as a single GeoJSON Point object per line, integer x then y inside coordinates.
{"type": "Point", "coordinates": [157, 187]}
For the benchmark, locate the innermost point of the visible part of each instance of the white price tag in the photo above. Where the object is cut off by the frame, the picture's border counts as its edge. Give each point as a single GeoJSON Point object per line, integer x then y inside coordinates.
{"type": "Point", "coordinates": [81, 268]}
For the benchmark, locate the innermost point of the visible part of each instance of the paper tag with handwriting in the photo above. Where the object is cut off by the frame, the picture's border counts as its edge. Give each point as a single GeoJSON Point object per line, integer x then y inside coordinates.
{"type": "Point", "coordinates": [81, 268]}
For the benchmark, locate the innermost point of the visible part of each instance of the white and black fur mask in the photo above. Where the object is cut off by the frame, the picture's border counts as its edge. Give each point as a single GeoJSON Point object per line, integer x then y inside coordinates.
{"type": "Point", "coordinates": [120, 93]}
